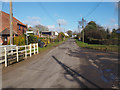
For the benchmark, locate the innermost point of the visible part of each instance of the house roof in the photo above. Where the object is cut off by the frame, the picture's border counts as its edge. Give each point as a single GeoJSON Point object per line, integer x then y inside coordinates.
{"type": "Point", "coordinates": [7, 32]}
{"type": "Point", "coordinates": [5, 18]}
{"type": "Point", "coordinates": [46, 31]}
{"type": "Point", "coordinates": [14, 18]}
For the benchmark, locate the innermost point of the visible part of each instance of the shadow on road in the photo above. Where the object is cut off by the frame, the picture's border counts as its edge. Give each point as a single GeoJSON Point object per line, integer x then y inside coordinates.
{"type": "Point", "coordinates": [75, 75]}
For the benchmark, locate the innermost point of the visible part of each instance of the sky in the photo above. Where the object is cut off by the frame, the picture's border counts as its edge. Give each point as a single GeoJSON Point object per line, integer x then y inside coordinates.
{"type": "Point", "coordinates": [67, 13]}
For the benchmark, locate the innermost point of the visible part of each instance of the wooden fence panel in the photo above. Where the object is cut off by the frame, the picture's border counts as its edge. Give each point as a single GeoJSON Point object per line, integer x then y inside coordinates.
{"type": "Point", "coordinates": [8, 51]}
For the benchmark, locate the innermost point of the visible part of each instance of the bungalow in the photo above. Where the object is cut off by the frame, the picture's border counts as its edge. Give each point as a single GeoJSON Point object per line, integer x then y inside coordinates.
{"type": "Point", "coordinates": [18, 28]}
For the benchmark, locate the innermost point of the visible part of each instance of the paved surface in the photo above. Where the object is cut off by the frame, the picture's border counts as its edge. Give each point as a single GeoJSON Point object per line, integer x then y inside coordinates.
{"type": "Point", "coordinates": [66, 66]}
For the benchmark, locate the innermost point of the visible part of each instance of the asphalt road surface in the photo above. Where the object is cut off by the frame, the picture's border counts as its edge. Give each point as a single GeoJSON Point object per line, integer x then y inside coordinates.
{"type": "Point", "coordinates": [66, 66]}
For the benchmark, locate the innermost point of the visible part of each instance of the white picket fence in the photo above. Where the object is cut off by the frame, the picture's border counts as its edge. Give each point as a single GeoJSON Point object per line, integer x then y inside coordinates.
{"type": "Point", "coordinates": [8, 52]}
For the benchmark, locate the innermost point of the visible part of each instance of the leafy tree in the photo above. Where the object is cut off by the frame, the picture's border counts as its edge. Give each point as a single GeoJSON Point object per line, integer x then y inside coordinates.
{"type": "Point", "coordinates": [94, 31]}
{"type": "Point", "coordinates": [69, 32]}
{"type": "Point", "coordinates": [114, 35]}
{"type": "Point", "coordinates": [41, 28]}
{"type": "Point", "coordinates": [61, 36]}
{"type": "Point", "coordinates": [32, 39]}
{"type": "Point", "coordinates": [108, 33]}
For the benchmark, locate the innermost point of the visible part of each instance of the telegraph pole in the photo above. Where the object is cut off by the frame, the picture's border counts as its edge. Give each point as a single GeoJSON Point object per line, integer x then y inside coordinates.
{"type": "Point", "coordinates": [82, 24]}
{"type": "Point", "coordinates": [83, 27]}
{"type": "Point", "coordinates": [11, 24]}
{"type": "Point", "coordinates": [59, 26]}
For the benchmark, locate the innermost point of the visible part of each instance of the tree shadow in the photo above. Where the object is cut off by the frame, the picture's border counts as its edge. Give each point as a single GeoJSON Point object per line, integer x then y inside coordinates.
{"type": "Point", "coordinates": [75, 75]}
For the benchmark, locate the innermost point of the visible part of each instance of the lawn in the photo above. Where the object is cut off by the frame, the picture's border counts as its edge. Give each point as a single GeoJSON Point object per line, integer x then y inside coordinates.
{"type": "Point", "coordinates": [51, 45]}
{"type": "Point", "coordinates": [113, 48]}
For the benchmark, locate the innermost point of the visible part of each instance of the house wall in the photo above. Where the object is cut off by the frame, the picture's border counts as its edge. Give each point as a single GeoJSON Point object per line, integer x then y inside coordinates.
{"type": "Point", "coordinates": [6, 24]}
{"type": "Point", "coordinates": [5, 19]}
{"type": "Point", "coordinates": [21, 30]}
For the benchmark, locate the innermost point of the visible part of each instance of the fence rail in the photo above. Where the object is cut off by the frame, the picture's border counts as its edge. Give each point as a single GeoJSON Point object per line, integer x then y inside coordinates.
{"type": "Point", "coordinates": [8, 52]}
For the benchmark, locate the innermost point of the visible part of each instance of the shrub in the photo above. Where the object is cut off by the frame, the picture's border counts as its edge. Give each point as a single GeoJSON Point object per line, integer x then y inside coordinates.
{"type": "Point", "coordinates": [56, 40]}
{"type": "Point", "coordinates": [32, 39]}
{"type": "Point", "coordinates": [19, 40]}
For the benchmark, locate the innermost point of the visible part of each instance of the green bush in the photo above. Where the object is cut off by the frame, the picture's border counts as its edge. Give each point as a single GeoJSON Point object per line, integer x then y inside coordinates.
{"type": "Point", "coordinates": [56, 40]}
{"type": "Point", "coordinates": [19, 40]}
{"type": "Point", "coordinates": [32, 39]}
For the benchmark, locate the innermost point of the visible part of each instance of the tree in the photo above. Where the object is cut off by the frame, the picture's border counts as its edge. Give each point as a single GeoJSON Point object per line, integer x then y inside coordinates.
{"type": "Point", "coordinates": [94, 31]}
{"type": "Point", "coordinates": [41, 28]}
{"type": "Point", "coordinates": [61, 36]}
{"type": "Point", "coordinates": [114, 34]}
{"type": "Point", "coordinates": [69, 32]}
{"type": "Point", "coordinates": [108, 33]}
{"type": "Point", "coordinates": [90, 31]}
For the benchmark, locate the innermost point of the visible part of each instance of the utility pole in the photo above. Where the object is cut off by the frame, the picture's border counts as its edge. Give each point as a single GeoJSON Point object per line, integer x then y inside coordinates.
{"type": "Point", "coordinates": [83, 28]}
{"type": "Point", "coordinates": [78, 28]}
{"type": "Point", "coordinates": [82, 24]}
{"type": "Point", "coordinates": [11, 24]}
{"type": "Point", "coordinates": [59, 26]}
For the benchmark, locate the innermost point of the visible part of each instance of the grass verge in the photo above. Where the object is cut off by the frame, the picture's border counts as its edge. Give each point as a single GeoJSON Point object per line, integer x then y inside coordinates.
{"type": "Point", "coordinates": [49, 46]}
{"type": "Point", "coordinates": [113, 48]}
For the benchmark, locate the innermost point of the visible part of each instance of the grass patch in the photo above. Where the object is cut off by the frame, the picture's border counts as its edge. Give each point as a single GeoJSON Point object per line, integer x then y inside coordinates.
{"type": "Point", "coordinates": [51, 45]}
{"type": "Point", "coordinates": [113, 48]}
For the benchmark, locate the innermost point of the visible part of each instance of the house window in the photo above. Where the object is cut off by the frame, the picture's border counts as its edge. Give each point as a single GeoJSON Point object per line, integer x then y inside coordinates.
{"type": "Point", "coordinates": [19, 27]}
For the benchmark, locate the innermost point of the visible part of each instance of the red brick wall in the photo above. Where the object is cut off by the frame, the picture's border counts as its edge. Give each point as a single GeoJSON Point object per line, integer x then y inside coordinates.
{"type": "Point", "coordinates": [6, 23]}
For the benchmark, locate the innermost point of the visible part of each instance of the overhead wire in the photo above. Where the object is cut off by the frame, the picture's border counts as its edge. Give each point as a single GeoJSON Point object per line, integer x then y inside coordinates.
{"type": "Point", "coordinates": [93, 9]}
{"type": "Point", "coordinates": [46, 11]}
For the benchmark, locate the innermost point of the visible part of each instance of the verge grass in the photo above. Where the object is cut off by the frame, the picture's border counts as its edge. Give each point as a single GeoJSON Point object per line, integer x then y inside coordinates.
{"type": "Point", "coordinates": [51, 45]}
{"type": "Point", "coordinates": [113, 48]}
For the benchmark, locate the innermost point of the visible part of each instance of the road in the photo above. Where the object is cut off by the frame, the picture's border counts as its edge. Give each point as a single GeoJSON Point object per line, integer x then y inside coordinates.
{"type": "Point", "coordinates": [66, 66]}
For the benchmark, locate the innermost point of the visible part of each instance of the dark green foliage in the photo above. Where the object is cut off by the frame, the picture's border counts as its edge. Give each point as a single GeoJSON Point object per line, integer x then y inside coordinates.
{"type": "Point", "coordinates": [61, 36]}
{"type": "Point", "coordinates": [114, 34]}
{"type": "Point", "coordinates": [32, 39]}
{"type": "Point", "coordinates": [69, 32]}
{"type": "Point", "coordinates": [92, 30]}
{"type": "Point", "coordinates": [95, 34]}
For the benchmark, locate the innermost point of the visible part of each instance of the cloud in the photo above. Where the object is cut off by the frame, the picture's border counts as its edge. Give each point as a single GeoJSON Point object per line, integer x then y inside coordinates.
{"type": "Point", "coordinates": [51, 26]}
{"type": "Point", "coordinates": [62, 21]}
{"type": "Point", "coordinates": [32, 21]}
{"type": "Point", "coordinates": [112, 20]}
{"type": "Point", "coordinates": [111, 26]}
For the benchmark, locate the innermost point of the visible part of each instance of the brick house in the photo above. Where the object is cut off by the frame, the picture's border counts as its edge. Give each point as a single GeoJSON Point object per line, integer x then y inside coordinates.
{"type": "Point", "coordinates": [18, 28]}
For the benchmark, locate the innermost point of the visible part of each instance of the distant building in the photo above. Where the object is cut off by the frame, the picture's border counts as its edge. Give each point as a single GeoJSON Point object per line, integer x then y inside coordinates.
{"type": "Point", "coordinates": [51, 34]}
{"type": "Point", "coordinates": [47, 33]}
{"type": "Point", "coordinates": [18, 28]}
{"type": "Point", "coordinates": [56, 33]}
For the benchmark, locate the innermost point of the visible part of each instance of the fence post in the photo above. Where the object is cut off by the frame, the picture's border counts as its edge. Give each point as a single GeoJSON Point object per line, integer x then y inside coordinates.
{"type": "Point", "coordinates": [25, 51]}
{"type": "Point", "coordinates": [30, 50]}
{"type": "Point", "coordinates": [17, 53]}
{"type": "Point", "coordinates": [6, 63]}
{"type": "Point", "coordinates": [37, 48]}
{"type": "Point", "coordinates": [34, 48]}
